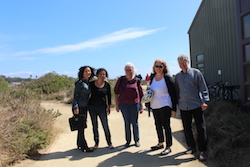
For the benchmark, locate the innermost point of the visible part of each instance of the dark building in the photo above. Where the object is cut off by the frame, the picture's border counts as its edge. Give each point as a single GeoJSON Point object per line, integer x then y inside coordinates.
{"type": "Point", "coordinates": [219, 39]}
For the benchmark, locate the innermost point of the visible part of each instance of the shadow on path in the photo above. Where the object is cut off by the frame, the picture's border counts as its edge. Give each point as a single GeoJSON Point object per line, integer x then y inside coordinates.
{"type": "Point", "coordinates": [139, 159]}
{"type": "Point", "coordinates": [179, 136]}
{"type": "Point", "coordinates": [76, 154]}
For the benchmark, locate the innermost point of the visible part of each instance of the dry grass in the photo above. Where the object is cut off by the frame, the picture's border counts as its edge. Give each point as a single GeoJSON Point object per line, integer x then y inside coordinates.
{"type": "Point", "coordinates": [24, 125]}
{"type": "Point", "coordinates": [228, 131]}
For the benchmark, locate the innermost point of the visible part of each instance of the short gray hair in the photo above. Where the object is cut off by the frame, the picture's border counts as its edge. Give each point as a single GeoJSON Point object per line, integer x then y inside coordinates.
{"type": "Point", "coordinates": [183, 57]}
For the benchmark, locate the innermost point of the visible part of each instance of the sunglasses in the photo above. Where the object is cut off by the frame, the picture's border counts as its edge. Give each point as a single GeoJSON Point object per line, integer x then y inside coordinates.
{"type": "Point", "coordinates": [161, 66]}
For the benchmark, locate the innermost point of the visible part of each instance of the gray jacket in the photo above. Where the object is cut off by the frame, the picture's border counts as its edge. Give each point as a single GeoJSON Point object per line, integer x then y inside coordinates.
{"type": "Point", "coordinates": [81, 94]}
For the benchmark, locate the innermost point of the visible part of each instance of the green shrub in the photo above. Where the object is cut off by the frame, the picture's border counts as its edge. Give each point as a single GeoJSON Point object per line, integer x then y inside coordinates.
{"type": "Point", "coordinates": [50, 83]}
{"type": "Point", "coordinates": [3, 83]}
{"type": "Point", "coordinates": [28, 137]}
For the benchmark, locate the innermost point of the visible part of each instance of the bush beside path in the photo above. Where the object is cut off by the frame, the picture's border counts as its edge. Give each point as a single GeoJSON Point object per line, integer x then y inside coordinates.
{"type": "Point", "coordinates": [63, 152]}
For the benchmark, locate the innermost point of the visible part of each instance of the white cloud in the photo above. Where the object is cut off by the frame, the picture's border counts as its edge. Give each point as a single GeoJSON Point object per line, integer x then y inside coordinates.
{"type": "Point", "coordinates": [112, 38]}
{"type": "Point", "coordinates": [24, 74]}
{"type": "Point", "coordinates": [27, 74]}
{"type": "Point", "coordinates": [4, 37]}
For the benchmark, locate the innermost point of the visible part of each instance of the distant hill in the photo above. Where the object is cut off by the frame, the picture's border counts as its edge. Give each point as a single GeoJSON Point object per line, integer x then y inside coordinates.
{"type": "Point", "coordinates": [15, 79]}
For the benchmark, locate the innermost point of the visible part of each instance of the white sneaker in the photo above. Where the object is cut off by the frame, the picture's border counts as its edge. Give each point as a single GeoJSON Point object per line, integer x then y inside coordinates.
{"type": "Point", "coordinates": [203, 156]}
{"type": "Point", "coordinates": [190, 151]}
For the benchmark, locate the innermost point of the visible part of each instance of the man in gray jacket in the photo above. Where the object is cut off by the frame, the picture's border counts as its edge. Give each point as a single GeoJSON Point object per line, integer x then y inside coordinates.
{"type": "Point", "coordinates": [192, 101]}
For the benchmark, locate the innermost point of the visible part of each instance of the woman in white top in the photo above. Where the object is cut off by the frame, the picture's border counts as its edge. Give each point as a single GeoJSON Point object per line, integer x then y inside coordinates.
{"type": "Point", "coordinates": [163, 104]}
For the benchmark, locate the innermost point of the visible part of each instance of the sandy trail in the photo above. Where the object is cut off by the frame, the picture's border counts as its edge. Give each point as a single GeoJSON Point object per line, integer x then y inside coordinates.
{"type": "Point", "coordinates": [63, 152]}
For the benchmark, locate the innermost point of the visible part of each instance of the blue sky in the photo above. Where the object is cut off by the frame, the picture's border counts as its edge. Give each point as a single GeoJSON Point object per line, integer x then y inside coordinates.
{"type": "Point", "coordinates": [37, 37]}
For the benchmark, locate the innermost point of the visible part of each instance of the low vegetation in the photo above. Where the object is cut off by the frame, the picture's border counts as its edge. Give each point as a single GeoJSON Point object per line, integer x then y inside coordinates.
{"type": "Point", "coordinates": [228, 131]}
{"type": "Point", "coordinates": [51, 86]}
{"type": "Point", "coordinates": [25, 125]}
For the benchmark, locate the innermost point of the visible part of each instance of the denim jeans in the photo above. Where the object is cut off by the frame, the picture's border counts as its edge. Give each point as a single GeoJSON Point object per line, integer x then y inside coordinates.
{"type": "Point", "coordinates": [102, 113]}
{"type": "Point", "coordinates": [198, 116]}
{"type": "Point", "coordinates": [130, 116]}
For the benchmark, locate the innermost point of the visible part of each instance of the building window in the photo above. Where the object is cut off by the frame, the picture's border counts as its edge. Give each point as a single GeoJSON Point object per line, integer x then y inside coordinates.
{"type": "Point", "coordinates": [247, 73]}
{"type": "Point", "coordinates": [247, 52]}
{"type": "Point", "coordinates": [200, 63]}
{"type": "Point", "coordinates": [200, 66]}
{"type": "Point", "coordinates": [246, 25]}
{"type": "Point", "coordinates": [200, 58]}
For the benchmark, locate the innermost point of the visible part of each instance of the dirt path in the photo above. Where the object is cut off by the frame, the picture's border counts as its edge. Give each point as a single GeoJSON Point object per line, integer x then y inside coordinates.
{"type": "Point", "coordinates": [63, 152]}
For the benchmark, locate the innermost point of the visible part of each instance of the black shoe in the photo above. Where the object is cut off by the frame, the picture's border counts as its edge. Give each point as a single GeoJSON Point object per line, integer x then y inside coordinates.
{"type": "Point", "coordinates": [166, 151]}
{"type": "Point", "coordinates": [111, 146]}
{"type": "Point", "coordinates": [87, 150]}
{"type": "Point", "coordinates": [79, 147]}
{"type": "Point", "coordinates": [127, 145]}
{"type": "Point", "coordinates": [190, 151]}
{"type": "Point", "coordinates": [137, 144]}
{"type": "Point", "coordinates": [95, 147]}
{"type": "Point", "coordinates": [157, 147]}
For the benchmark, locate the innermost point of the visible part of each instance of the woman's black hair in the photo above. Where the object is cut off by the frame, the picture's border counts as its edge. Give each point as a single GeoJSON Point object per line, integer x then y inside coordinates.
{"type": "Point", "coordinates": [81, 70]}
{"type": "Point", "coordinates": [100, 70]}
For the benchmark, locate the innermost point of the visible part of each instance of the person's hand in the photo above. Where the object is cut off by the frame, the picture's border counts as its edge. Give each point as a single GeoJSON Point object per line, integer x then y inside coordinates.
{"type": "Point", "coordinates": [173, 113]}
{"type": "Point", "coordinates": [117, 108]}
{"type": "Point", "coordinates": [141, 108]}
{"type": "Point", "coordinates": [204, 106]}
{"type": "Point", "coordinates": [108, 110]}
{"type": "Point", "coordinates": [76, 111]}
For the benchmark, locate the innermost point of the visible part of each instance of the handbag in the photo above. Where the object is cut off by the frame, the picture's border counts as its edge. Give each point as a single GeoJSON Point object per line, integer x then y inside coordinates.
{"type": "Point", "coordinates": [148, 96]}
{"type": "Point", "coordinates": [73, 123]}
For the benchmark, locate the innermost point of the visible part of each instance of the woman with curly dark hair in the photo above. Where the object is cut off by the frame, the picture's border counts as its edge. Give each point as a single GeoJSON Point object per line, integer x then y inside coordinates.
{"type": "Point", "coordinates": [80, 104]}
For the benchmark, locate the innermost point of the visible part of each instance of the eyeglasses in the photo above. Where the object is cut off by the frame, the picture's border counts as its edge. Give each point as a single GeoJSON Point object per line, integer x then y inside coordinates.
{"type": "Point", "coordinates": [161, 66]}
{"type": "Point", "coordinates": [128, 70]}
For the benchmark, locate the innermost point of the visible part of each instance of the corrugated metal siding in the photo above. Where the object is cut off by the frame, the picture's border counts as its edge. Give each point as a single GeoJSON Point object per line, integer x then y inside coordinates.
{"type": "Point", "coordinates": [214, 34]}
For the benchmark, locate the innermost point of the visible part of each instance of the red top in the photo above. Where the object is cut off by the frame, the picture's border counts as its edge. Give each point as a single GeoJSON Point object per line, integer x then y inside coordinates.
{"type": "Point", "coordinates": [129, 92]}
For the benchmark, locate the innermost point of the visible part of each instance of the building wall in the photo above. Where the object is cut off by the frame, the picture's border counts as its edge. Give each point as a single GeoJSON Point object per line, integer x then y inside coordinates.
{"type": "Point", "coordinates": [243, 15]}
{"type": "Point", "coordinates": [213, 34]}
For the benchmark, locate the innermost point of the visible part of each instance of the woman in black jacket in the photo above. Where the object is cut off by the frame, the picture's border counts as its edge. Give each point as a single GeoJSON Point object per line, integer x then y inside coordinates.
{"type": "Point", "coordinates": [80, 104]}
{"type": "Point", "coordinates": [163, 104]}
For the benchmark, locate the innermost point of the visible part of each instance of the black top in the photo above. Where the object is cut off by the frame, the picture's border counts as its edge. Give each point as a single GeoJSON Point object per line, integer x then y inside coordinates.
{"type": "Point", "coordinates": [99, 96]}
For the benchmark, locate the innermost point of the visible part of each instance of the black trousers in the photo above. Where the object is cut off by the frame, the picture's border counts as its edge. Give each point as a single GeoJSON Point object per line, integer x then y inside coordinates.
{"type": "Point", "coordinates": [198, 116]}
{"type": "Point", "coordinates": [82, 118]}
{"type": "Point", "coordinates": [162, 119]}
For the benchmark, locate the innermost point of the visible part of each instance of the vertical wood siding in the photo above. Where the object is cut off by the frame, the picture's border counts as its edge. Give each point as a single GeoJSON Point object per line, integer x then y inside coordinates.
{"type": "Point", "coordinates": [213, 33]}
